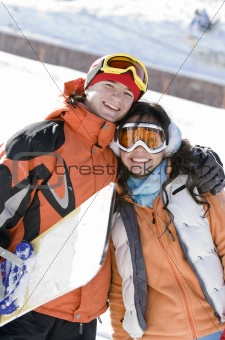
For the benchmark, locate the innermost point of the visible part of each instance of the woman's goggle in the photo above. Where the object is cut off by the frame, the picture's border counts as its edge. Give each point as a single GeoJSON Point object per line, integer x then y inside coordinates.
{"type": "Point", "coordinates": [149, 136]}
{"type": "Point", "coordinates": [123, 63]}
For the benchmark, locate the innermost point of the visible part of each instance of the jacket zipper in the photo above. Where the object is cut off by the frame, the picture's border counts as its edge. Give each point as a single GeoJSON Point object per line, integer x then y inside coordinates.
{"type": "Point", "coordinates": [180, 286]}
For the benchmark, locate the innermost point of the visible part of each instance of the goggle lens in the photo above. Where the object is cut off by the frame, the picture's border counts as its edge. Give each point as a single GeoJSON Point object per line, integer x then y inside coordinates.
{"type": "Point", "coordinates": [151, 134]}
{"type": "Point", "coordinates": [124, 63]}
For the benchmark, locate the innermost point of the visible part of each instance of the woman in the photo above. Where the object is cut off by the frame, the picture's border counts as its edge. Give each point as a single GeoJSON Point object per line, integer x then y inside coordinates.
{"type": "Point", "coordinates": [168, 242]}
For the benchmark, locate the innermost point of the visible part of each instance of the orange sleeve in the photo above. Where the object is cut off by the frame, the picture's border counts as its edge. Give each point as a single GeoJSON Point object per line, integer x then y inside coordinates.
{"type": "Point", "coordinates": [116, 306]}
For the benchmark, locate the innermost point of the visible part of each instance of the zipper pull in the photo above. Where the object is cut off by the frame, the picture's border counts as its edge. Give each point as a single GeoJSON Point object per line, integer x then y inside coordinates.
{"type": "Point", "coordinates": [81, 328]}
{"type": "Point", "coordinates": [153, 218]}
{"type": "Point", "coordinates": [170, 233]}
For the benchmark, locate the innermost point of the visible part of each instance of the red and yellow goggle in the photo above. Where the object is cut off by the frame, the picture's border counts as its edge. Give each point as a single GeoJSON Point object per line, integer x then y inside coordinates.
{"type": "Point", "coordinates": [122, 63]}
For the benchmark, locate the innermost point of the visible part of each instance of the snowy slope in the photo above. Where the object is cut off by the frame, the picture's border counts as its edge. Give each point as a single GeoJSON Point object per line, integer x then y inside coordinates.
{"type": "Point", "coordinates": [157, 32]}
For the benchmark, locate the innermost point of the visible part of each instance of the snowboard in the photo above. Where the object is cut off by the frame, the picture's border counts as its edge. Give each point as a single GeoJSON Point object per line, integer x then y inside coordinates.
{"type": "Point", "coordinates": [68, 255]}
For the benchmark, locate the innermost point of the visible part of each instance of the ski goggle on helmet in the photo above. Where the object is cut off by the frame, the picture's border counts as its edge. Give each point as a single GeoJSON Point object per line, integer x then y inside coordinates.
{"type": "Point", "coordinates": [119, 64]}
{"type": "Point", "coordinates": [149, 136]}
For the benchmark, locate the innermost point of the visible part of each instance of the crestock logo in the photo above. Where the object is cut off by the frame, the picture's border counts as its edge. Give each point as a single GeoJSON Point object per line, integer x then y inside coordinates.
{"type": "Point", "coordinates": [85, 170]}
{"type": "Point", "coordinates": [143, 169]}
{"type": "Point", "coordinates": [61, 170]}
{"type": "Point", "coordinates": [21, 160]}
{"type": "Point", "coordinates": [201, 174]}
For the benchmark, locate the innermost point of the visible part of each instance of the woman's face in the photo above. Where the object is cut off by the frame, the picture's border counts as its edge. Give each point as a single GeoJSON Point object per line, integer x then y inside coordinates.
{"type": "Point", "coordinates": [140, 162]}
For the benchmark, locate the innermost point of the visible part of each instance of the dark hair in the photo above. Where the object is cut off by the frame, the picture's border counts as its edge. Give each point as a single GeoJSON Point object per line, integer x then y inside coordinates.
{"type": "Point", "coordinates": [180, 160]}
{"type": "Point", "coordinates": [184, 162]}
{"type": "Point", "coordinates": [77, 97]}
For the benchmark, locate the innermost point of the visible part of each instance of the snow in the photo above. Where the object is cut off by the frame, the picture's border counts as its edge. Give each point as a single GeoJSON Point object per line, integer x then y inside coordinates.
{"type": "Point", "coordinates": [157, 32]}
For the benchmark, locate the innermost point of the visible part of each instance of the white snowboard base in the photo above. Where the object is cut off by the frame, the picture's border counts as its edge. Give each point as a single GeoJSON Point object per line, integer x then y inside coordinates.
{"type": "Point", "coordinates": [68, 255]}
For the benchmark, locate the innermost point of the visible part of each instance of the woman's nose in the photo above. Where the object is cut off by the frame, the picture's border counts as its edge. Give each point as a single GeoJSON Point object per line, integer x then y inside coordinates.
{"type": "Point", "coordinates": [140, 148]}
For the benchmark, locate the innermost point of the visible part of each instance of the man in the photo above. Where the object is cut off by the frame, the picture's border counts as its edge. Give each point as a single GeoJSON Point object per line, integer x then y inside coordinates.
{"type": "Point", "coordinates": [72, 138]}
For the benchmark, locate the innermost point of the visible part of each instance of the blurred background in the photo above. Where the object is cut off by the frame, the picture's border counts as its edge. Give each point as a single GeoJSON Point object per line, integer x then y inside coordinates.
{"type": "Point", "coordinates": [182, 44]}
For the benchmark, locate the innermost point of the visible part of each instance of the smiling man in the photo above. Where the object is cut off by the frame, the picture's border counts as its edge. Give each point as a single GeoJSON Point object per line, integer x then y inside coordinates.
{"type": "Point", "coordinates": [49, 168]}
{"type": "Point", "coordinates": [110, 91]}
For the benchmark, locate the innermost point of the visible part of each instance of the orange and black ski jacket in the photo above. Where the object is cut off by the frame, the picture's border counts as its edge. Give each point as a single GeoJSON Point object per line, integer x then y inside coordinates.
{"type": "Point", "coordinates": [48, 169]}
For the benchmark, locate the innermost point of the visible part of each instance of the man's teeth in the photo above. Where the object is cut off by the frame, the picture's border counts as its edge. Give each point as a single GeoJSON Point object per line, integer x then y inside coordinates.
{"type": "Point", "coordinates": [112, 106]}
{"type": "Point", "coordinates": [140, 160]}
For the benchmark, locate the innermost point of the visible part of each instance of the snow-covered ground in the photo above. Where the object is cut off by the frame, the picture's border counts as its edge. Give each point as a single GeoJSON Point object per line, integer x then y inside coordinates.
{"type": "Point", "coordinates": [155, 31]}
{"type": "Point", "coordinates": [158, 32]}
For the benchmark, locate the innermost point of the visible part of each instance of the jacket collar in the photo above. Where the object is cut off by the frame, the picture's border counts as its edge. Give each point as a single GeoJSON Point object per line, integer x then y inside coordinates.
{"type": "Point", "coordinates": [80, 119]}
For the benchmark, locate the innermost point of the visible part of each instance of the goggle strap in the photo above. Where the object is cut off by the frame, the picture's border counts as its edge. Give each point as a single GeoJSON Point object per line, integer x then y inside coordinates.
{"type": "Point", "coordinates": [143, 125]}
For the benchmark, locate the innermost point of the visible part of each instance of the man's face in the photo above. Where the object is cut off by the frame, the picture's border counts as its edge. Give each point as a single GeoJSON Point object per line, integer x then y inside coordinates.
{"type": "Point", "coordinates": [109, 100]}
